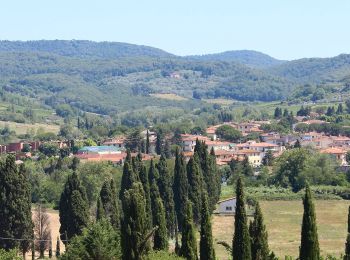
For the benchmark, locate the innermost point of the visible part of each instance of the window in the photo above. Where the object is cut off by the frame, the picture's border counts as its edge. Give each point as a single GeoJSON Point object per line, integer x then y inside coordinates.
{"type": "Point", "coordinates": [228, 208]}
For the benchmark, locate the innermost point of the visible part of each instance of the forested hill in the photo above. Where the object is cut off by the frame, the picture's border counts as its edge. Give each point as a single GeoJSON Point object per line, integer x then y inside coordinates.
{"type": "Point", "coordinates": [250, 58]}
{"type": "Point", "coordinates": [83, 49]}
{"type": "Point", "coordinates": [108, 77]}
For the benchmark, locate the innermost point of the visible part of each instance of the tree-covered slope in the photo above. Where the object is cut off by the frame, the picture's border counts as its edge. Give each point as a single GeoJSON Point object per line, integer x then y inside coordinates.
{"type": "Point", "coordinates": [250, 58]}
{"type": "Point", "coordinates": [113, 77]}
{"type": "Point", "coordinates": [84, 49]}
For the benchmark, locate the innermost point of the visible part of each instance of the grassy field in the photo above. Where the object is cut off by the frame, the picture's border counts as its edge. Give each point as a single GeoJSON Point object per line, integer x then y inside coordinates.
{"type": "Point", "coordinates": [283, 221]}
{"type": "Point", "coordinates": [169, 96]}
{"type": "Point", "coordinates": [24, 128]}
{"type": "Point", "coordinates": [220, 101]}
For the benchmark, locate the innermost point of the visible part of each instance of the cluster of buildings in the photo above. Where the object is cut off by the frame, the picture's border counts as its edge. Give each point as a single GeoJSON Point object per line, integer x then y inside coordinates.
{"type": "Point", "coordinates": [255, 151]}
{"type": "Point", "coordinates": [24, 149]}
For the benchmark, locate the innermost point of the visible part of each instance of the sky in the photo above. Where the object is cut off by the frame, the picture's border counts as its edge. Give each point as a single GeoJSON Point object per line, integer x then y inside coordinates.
{"type": "Point", "coordinates": [284, 29]}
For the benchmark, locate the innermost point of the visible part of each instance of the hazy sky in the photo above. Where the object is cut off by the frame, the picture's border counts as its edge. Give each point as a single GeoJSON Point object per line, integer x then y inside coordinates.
{"type": "Point", "coordinates": [285, 29]}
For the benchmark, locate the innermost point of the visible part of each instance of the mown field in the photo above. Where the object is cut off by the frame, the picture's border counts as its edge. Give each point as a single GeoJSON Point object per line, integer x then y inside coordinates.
{"type": "Point", "coordinates": [283, 221]}
{"type": "Point", "coordinates": [24, 128]}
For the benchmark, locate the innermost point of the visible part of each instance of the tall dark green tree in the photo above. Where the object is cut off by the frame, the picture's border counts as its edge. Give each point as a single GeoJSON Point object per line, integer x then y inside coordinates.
{"type": "Point", "coordinates": [258, 234]}
{"type": "Point", "coordinates": [207, 251]}
{"type": "Point", "coordinates": [159, 143]}
{"type": "Point", "coordinates": [108, 195]}
{"type": "Point", "coordinates": [134, 223]}
{"type": "Point", "coordinates": [153, 173]}
{"type": "Point", "coordinates": [309, 248]}
{"type": "Point", "coordinates": [128, 177]}
{"type": "Point", "coordinates": [167, 149]}
{"type": "Point", "coordinates": [15, 206]}
{"type": "Point", "coordinates": [209, 172]}
{"type": "Point", "coordinates": [73, 208]}
{"type": "Point", "coordinates": [167, 195]}
{"type": "Point", "coordinates": [216, 178]}
{"type": "Point", "coordinates": [194, 176]}
{"type": "Point", "coordinates": [347, 244]}
{"type": "Point", "coordinates": [188, 238]}
{"type": "Point", "coordinates": [146, 188]}
{"type": "Point", "coordinates": [241, 246]}
{"type": "Point", "coordinates": [161, 234]}
{"type": "Point", "coordinates": [180, 187]}
{"type": "Point", "coordinates": [147, 143]}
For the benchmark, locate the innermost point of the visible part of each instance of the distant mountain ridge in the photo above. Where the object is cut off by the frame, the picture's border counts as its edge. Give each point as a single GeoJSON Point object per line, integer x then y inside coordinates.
{"type": "Point", "coordinates": [84, 48]}
{"type": "Point", "coordinates": [249, 58]}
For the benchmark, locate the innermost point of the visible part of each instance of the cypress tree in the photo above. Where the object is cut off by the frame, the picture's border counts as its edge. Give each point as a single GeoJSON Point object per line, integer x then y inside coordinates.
{"type": "Point", "coordinates": [258, 234]}
{"type": "Point", "coordinates": [147, 143]}
{"type": "Point", "coordinates": [100, 214]}
{"type": "Point", "coordinates": [167, 195]}
{"type": "Point", "coordinates": [146, 188]}
{"type": "Point", "coordinates": [73, 208]}
{"type": "Point", "coordinates": [160, 235]}
{"type": "Point", "coordinates": [153, 174]}
{"type": "Point", "coordinates": [128, 177]}
{"type": "Point", "coordinates": [15, 206]}
{"type": "Point", "coordinates": [195, 184]}
{"type": "Point", "coordinates": [188, 238]}
{"type": "Point", "coordinates": [159, 143]}
{"type": "Point", "coordinates": [216, 179]}
{"type": "Point", "coordinates": [58, 247]}
{"type": "Point", "coordinates": [241, 248]}
{"type": "Point", "coordinates": [309, 248]}
{"type": "Point", "coordinates": [167, 149]}
{"type": "Point", "coordinates": [108, 195]}
{"type": "Point", "coordinates": [206, 243]}
{"type": "Point", "coordinates": [134, 223]}
{"type": "Point", "coordinates": [180, 187]}
{"type": "Point", "coordinates": [347, 244]}
{"type": "Point", "coordinates": [154, 196]}
{"type": "Point", "coordinates": [209, 172]}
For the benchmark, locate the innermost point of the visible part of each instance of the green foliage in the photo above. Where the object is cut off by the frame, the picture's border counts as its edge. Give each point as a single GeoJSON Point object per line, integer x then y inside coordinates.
{"type": "Point", "coordinates": [134, 223]}
{"type": "Point", "coordinates": [206, 246]}
{"type": "Point", "coordinates": [258, 234]}
{"type": "Point", "coordinates": [49, 149]}
{"type": "Point", "coordinates": [15, 206]}
{"type": "Point", "coordinates": [241, 245]}
{"type": "Point", "coordinates": [162, 255]}
{"type": "Point", "coordinates": [73, 208]}
{"type": "Point", "coordinates": [161, 234]}
{"type": "Point", "coordinates": [180, 187]}
{"type": "Point", "coordinates": [109, 201]}
{"type": "Point", "coordinates": [297, 166]}
{"type": "Point", "coordinates": [9, 255]}
{"type": "Point", "coordinates": [98, 241]}
{"type": "Point", "coordinates": [309, 248]}
{"type": "Point", "coordinates": [188, 238]}
{"type": "Point", "coordinates": [166, 193]}
{"type": "Point", "coordinates": [229, 133]}
{"type": "Point", "coordinates": [195, 182]}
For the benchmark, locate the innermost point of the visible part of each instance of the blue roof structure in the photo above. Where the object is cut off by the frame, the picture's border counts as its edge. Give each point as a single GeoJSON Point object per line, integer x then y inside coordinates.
{"type": "Point", "coordinates": [99, 149]}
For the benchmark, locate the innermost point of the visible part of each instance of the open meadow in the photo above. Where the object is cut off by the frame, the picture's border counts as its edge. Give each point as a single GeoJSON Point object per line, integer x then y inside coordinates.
{"type": "Point", "coordinates": [283, 220]}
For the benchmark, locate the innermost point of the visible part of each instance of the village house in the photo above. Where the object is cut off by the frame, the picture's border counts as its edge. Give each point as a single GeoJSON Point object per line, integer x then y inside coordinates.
{"type": "Point", "coordinates": [338, 153]}
{"type": "Point", "coordinates": [227, 206]}
{"type": "Point", "coordinates": [189, 141]}
{"type": "Point", "coordinates": [116, 142]}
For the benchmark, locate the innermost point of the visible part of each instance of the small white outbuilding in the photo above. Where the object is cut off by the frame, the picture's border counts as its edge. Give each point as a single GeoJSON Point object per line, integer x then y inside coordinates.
{"type": "Point", "coordinates": [227, 206]}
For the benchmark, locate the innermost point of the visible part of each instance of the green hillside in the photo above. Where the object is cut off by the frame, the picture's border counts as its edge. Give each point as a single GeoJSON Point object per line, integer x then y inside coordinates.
{"type": "Point", "coordinates": [109, 78]}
